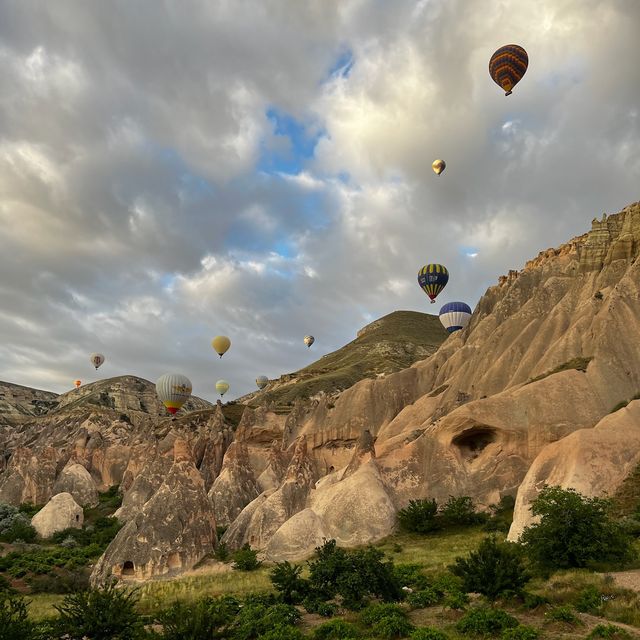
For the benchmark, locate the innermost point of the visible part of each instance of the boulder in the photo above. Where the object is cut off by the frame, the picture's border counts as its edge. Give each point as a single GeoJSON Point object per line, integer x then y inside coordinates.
{"type": "Point", "coordinates": [60, 513]}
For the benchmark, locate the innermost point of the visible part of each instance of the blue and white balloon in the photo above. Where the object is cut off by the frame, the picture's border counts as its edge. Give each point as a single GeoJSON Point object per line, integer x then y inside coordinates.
{"type": "Point", "coordinates": [455, 316]}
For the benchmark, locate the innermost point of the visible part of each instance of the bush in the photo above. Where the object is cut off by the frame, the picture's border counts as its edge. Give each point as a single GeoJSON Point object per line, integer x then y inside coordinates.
{"type": "Point", "coordinates": [485, 621]}
{"type": "Point", "coordinates": [100, 614]}
{"type": "Point", "coordinates": [335, 630]}
{"type": "Point", "coordinates": [420, 516]}
{"type": "Point", "coordinates": [282, 632]}
{"type": "Point", "coordinates": [424, 598]}
{"type": "Point", "coordinates": [386, 620]}
{"type": "Point", "coordinates": [287, 581]}
{"type": "Point", "coordinates": [221, 552]}
{"type": "Point", "coordinates": [562, 614]}
{"type": "Point", "coordinates": [494, 568]}
{"type": "Point", "coordinates": [246, 559]}
{"type": "Point", "coordinates": [14, 620]}
{"type": "Point", "coordinates": [456, 600]}
{"type": "Point", "coordinates": [574, 531]}
{"type": "Point", "coordinates": [410, 575]}
{"type": "Point", "coordinates": [59, 582]}
{"type": "Point", "coordinates": [533, 600]}
{"type": "Point", "coordinates": [460, 512]}
{"type": "Point", "coordinates": [608, 631]}
{"type": "Point", "coordinates": [18, 529]}
{"type": "Point", "coordinates": [101, 533]}
{"type": "Point", "coordinates": [352, 575]}
{"type": "Point", "coordinates": [521, 632]}
{"type": "Point", "coordinates": [313, 604]}
{"type": "Point", "coordinates": [199, 620]}
{"type": "Point", "coordinates": [256, 619]}
{"type": "Point", "coordinates": [589, 600]}
{"type": "Point", "coordinates": [428, 633]}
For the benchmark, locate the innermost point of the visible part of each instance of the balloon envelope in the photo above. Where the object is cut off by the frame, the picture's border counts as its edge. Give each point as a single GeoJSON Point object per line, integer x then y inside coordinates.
{"type": "Point", "coordinates": [439, 166]}
{"type": "Point", "coordinates": [77, 383]}
{"type": "Point", "coordinates": [309, 340]}
{"type": "Point", "coordinates": [262, 381]}
{"type": "Point", "coordinates": [96, 359]}
{"type": "Point", "coordinates": [455, 316]}
{"type": "Point", "coordinates": [507, 66]}
{"type": "Point", "coordinates": [221, 345]}
{"type": "Point", "coordinates": [432, 279]}
{"type": "Point", "coordinates": [174, 390]}
{"type": "Point", "coordinates": [222, 386]}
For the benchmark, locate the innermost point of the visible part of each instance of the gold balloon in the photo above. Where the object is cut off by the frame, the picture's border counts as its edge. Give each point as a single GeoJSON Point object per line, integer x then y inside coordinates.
{"type": "Point", "coordinates": [221, 345]}
{"type": "Point", "coordinates": [439, 166]}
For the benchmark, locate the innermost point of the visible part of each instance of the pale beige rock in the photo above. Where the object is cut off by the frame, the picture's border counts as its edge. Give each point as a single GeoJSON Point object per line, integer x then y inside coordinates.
{"type": "Point", "coordinates": [77, 481]}
{"type": "Point", "coordinates": [60, 513]}
{"type": "Point", "coordinates": [296, 538]}
{"type": "Point", "coordinates": [595, 462]}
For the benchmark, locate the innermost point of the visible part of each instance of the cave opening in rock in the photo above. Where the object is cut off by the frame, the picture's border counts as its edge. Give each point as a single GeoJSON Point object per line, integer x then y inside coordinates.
{"type": "Point", "coordinates": [472, 442]}
{"type": "Point", "coordinates": [174, 562]}
{"type": "Point", "coordinates": [128, 568]}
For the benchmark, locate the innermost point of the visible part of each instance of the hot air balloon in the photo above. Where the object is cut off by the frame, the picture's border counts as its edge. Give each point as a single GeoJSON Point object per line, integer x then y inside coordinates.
{"type": "Point", "coordinates": [309, 340]}
{"type": "Point", "coordinates": [77, 383]}
{"type": "Point", "coordinates": [221, 345]}
{"type": "Point", "coordinates": [96, 359]}
{"type": "Point", "coordinates": [433, 278]}
{"type": "Point", "coordinates": [262, 381]}
{"type": "Point", "coordinates": [455, 316]}
{"type": "Point", "coordinates": [507, 66]}
{"type": "Point", "coordinates": [174, 390]}
{"type": "Point", "coordinates": [439, 166]}
{"type": "Point", "coordinates": [222, 386]}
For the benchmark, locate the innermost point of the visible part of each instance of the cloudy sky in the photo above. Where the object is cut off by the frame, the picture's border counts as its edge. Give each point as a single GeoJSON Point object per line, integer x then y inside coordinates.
{"type": "Point", "coordinates": [175, 169]}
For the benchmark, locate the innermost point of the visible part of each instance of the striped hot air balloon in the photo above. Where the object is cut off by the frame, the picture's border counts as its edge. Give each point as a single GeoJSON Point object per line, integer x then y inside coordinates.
{"type": "Point", "coordinates": [174, 390]}
{"type": "Point", "coordinates": [222, 386]}
{"type": "Point", "coordinates": [507, 66]}
{"type": "Point", "coordinates": [432, 279]}
{"type": "Point", "coordinates": [262, 382]}
{"type": "Point", "coordinates": [455, 316]}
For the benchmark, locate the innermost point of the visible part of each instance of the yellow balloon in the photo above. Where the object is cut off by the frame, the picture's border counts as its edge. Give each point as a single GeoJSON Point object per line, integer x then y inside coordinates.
{"type": "Point", "coordinates": [222, 386]}
{"type": "Point", "coordinates": [438, 166]}
{"type": "Point", "coordinates": [221, 345]}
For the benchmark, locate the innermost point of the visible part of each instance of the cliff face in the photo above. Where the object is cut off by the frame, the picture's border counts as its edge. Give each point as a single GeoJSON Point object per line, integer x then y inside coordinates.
{"type": "Point", "coordinates": [550, 350]}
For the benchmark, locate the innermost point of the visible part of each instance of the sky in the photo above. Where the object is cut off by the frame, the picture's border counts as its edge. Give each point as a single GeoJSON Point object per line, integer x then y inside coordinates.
{"type": "Point", "coordinates": [171, 170]}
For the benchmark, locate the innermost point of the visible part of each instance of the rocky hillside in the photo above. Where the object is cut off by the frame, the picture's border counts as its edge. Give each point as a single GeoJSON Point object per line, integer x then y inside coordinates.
{"type": "Point", "coordinates": [523, 396]}
{"type": "Point", "coordinates": [19, 403]}
{"type": "Point", "coordinates": [389, 344]}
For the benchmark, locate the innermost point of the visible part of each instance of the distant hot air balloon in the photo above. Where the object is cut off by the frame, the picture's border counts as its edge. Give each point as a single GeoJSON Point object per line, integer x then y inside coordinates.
{"type": "Point", "coordinates": [507, 66]}
{"type": "Point", "coordinates": [96, 359]}
{"type": "Point", "coordinates": [174, 390]}
{"type": "Point", "coordinates": [439, 166]}
{"type": "Point", "coordinates": [222, 386]}
{"type": "Point", "coordinates": [77, 383]}
{"type": "Point", "coordinates": [455, 316]}
{"type": "Point", "coordinates": [433, 278]}
{"type": "Point", "coordinates": [262, 381]}
{"type": "Point", "coordinates": [221, 344]}
{"type": "Point", "coordinates": [309, 340]}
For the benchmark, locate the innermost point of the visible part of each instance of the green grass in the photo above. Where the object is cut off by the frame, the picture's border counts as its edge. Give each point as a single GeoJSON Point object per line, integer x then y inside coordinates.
{"type": "Point", "coordinates": [579, 364]}
{"type": "Point", "coordinates": [624, 403]}
{"type": "Point", "coordinates": [391, 345]}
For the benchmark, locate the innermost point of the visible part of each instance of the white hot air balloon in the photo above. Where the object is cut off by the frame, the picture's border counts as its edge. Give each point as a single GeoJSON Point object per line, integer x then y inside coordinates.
{"type": "Point", "coordinates": [222, 386]}
{"type": "Point", "coordinates": [455, 316]}
{"type": "Point", "coordinates": [174, 390]}
{"type": "Point", "coordinates": [96, 359]}
{"type": "Point", "coordinates": [309, 340]}
{"type": "Point", "coordinates": [262, 382]}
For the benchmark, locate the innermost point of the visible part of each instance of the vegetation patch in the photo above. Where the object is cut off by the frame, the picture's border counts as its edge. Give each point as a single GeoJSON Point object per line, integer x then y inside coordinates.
{"type": "Point", "coordinates": [579, 364]}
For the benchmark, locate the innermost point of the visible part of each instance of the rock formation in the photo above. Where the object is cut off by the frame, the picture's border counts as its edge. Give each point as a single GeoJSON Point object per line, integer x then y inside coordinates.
{"type": "Point", "coordinates": [77, 481]}
{"type": "Point", "coordinates": [60, 513]}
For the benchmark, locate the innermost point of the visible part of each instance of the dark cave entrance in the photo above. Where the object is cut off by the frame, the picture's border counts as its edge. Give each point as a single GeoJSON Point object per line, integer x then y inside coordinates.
{"type": "Point", "coordinates": [472, 442]}
{"type": "Point", "coordinates": [128, 568]}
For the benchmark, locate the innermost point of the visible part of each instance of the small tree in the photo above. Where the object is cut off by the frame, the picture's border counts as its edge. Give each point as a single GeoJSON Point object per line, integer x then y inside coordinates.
{"type": "Point", "coordinates": [14, 621]}
{"type": "Point", "coordinates": [460, 512]}
{"type": "Point", "coordinates": [246, 559]}
{"type": "Point", "coordinates": [574, 531]}
{"type": "Point", "coordinates": [420, 516]}
{"type": "Point", "coordinates": [204, 619]}
{"type": "Point", "coordinates": [287, 581]}
{"type": "Point", "coordinates": [494, 568]}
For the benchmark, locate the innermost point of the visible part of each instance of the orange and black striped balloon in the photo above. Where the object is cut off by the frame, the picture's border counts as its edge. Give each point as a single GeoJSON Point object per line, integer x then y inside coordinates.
{"type": "Point", "coordinates": [507, 66]}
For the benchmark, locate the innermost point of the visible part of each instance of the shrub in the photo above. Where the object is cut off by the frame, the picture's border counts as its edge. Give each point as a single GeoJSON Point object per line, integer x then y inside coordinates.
{"type": "Point", "coordinates": [386, 620]}
{"type": "Point", "coordinates": [199, 620]}
{"type": "Point", "coordinates": [29, 509]}
{"type": "Point", "coordinates": [19, 529]}
{"type": "Point", "coordinates": [256, 619]}
{"type": "Point", "coordinates": [428, 633]}
{"type": "Point", "coordinates": [410, 575]}
{"type": "Point", "coordinates": [589, 600]}
{"type": "Point", "coordinates": [353, 575]}
{"type": "Point", "coordinates": [485, 621]}
{"type": "Point", "coordinates": [282, 632]}
{"type": "Point", "coordinates": [287, 581]}
{"type": "Point", "coordinates": [494, 568]}
{"type": "Point", "coordinates": [608, 631]}
{"type": "Point", "coordinates": [460, 512]}
{"type": "Point", "coordinates": [100, 614]}
{"type": "Point", "coordinates": [456, 600]}
{"type": "Point", "coordinates": [424, 598]}
{"type": "Point", "coordinates": [574, 531]}
{"type": "Point", "coordinates": [521, 632]}
{"type": "Point", "coordinates": [222, 552]}
{"type": "Point", "coordinates": [562, 614]}
{"type": "Point", "coordinates": [14, 620]}
{"type": "Point", "coordinates": [335, 630]}
{"type": "Point", "coordinates": [419, 516]}
{"type": "Point", "coordinates": [533, 600]}
{"type": "Point", "coordinates": [246, 559]}
{"type": "Point", "coordinates": [59, 582]}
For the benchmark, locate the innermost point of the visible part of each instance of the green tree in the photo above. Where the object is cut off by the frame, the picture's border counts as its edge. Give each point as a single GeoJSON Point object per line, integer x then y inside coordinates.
{"type": "Point", "coordinates": [460, 511]}
{"type": "Point", "coordinates": [494, 568]}
{"type": "Point", "coordinates": [287, 581]}
{"type": "Point", "coordinates": [420, 516]}
{"type": "Point", "coordinates": [246, 559]}
{"type": "Point", "coordinates": [14, 621]}
{"type": "Point", "coordinates": [574, 531]}
{"type": "Point", "coordinates": [204, 619]}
